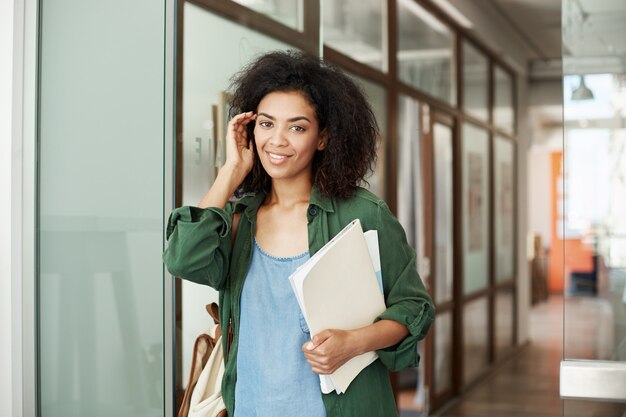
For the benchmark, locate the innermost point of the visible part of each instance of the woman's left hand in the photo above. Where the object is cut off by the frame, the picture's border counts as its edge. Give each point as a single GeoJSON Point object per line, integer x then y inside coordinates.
{"type": "Point", "coordinates": [329, 349]}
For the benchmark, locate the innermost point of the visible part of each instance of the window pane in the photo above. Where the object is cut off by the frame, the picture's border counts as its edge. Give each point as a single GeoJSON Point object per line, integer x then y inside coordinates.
{"type": "Point", "coordinates": [287, 12]}
{"type": "Point", "coordinates": [101, 196]}
{"type": "Point", "coordinates": [425, 52]}
{"type": "Point", "coordinates": [504, 213]}
{"type": "Point", "coordinates": [475, 208]}
{"type": "Point", "coordinates": [410, 181]}
{"type": "Point", "coordinates": [504, 321]}
{"type": "Point", "coordinates": [475, 339]}
{"type": "Point", "coordinates": [475, 82]}
{"type": "Point", "coordinates": [443, 212]}
{"type": "Point", "coordinates": [357, 28]}
{"type": "Point", "coordinates": [443, 352]}
{"type": "Point", "coordinates": [503, 101]}
{"type": "Point", "coordinates": [377, 97]}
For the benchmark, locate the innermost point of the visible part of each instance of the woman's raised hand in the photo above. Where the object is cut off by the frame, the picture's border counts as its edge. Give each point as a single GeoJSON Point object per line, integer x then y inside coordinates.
{"type": "Point", "coordinates": [239, 161]}
{"type": "Point", "coordinates": [239, 152]}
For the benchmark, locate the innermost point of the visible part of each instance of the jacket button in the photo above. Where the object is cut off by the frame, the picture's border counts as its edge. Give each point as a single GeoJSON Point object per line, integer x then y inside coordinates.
{"type": "Point", "coordinates": [312, 211]}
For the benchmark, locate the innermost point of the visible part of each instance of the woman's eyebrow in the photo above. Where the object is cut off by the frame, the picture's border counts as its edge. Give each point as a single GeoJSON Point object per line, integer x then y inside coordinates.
{"type": "Point", "coordinates": [293, 119]}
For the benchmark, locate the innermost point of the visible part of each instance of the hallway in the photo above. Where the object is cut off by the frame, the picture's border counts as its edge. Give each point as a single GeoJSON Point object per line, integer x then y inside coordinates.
{"type": "Point", "coordinates": [527, 384]}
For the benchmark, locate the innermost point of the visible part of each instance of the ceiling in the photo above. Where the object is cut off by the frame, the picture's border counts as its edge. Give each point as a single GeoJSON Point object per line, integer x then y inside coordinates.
{"type": "Point", "coordinates": [537, 23]}
{"type": "Point", "coordinates": [591, 28]}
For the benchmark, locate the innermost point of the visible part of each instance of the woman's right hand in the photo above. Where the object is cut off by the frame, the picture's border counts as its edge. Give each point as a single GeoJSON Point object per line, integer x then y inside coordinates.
{"type": "Point", "coordinates": [239, 152]}
{"type": "Point", "coordinates": [239, 161]}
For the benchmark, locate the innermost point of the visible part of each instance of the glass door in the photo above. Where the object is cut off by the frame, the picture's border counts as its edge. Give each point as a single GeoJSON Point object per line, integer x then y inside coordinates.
{"type": "Point", "coordinates": [101, 195]}
{"type": "Point", "coordinates": [426, 210]}
{"type": "Point", "coordinates": [588, 220]}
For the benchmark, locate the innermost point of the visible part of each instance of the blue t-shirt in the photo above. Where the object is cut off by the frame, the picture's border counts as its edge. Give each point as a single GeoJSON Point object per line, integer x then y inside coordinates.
{"type": "Point", "coordinates": [273, 376]}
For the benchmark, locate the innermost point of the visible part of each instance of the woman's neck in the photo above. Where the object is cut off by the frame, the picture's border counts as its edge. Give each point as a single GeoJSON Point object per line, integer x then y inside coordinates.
{"type": "Point", "coordinates": [290, 193]}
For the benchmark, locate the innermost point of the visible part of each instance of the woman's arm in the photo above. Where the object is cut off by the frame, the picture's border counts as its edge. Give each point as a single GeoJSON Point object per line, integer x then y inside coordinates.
{"type": "Point", "coordinates": [330, 349]}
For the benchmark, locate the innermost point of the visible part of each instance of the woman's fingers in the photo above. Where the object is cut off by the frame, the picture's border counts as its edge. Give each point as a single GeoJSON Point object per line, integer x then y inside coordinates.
{"type": "Point", "coordinates": [238, 145]}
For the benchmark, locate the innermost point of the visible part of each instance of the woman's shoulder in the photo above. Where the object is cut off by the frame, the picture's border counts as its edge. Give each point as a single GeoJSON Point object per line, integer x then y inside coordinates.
{"type": "Point", "coordinates": [363, 198]}
{"type": "Point", "coordinates": [364, 205]}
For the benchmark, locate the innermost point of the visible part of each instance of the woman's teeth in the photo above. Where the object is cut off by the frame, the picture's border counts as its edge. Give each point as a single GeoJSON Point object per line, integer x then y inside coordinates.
{"type": "Point", "coordinates": [274, 156]}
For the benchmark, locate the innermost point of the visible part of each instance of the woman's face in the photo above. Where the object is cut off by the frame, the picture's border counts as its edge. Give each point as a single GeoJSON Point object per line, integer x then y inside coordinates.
{"type": "Point", "coordinates": [287, 135]}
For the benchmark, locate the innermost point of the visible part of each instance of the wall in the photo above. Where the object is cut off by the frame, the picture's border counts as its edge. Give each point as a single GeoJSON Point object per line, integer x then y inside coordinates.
{"type": "Point", "coordinates": [6, 98]}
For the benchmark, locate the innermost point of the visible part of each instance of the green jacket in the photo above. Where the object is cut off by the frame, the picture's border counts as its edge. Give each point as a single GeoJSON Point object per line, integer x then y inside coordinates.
{"type": "Point", "coordinates": [200, 249]}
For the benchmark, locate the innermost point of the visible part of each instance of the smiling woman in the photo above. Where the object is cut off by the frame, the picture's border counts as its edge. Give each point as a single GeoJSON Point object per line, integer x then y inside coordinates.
{"type": "Point", "coordinates": [301, 140]}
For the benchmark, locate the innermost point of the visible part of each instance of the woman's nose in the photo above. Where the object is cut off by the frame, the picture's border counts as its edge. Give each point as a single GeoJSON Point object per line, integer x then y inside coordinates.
{"type": "Point", "coordinates": [278, 138]}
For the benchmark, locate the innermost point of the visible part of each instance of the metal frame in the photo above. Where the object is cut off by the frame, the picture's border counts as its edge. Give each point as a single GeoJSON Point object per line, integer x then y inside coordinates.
{"type": "Point", "coordinates": [23, 206]}
{"type": "Point", "coordinates": [169, 144]}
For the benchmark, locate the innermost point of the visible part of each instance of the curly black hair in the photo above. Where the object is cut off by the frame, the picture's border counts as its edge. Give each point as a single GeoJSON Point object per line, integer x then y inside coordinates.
{"type": "Point", "coordinates": [342, 111]}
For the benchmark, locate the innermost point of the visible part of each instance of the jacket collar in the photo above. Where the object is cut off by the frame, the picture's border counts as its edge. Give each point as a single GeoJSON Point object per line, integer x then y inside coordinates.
{"type": "Point", "coordinates": [250, 203]}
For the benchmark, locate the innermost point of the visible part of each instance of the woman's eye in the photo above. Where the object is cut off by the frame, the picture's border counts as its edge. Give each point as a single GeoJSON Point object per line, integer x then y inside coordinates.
{"type": "Point", "coordinates": [298, 128]}
{"type": "Point", "coordinates": [265, 124]}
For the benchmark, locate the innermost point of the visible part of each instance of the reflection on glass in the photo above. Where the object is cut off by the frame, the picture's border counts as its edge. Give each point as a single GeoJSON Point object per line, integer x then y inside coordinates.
{"type": "Point", "coordinates": [443, 352]}
{"type": "Point", "coordinates": [425, 52]}
{"type": "Point", "coordinates": [504, 214]}
{"type": "Point", "coordinates": [503, 116]}
{"type": "Point", "coordinates": [594, 168]}
{"type": "Point", "coordinates": [287, 12]}
{"type": "Point", "coordinates": [475, 339]}
{"type": "Point", "coordinates": [101, 196]}
{"type": "Point", "coordinates": [475, 81]}
{"type": "Point", "coordinates": [205, 114]}
{"type": "Point", "coordinates": [476, 239]}
{"type": "Point", "coordinates": [504, 321]}
{"type": "Point", "coordinates": [410, 181]}
{"type": "Point", "coordinates": [594, 161]}
{"type": "Point", "coordinates": [357, 28]}
{"type": "Point", "coordinates": [377, 97]}
{"type": "Point", "coordinates": [442, 142]}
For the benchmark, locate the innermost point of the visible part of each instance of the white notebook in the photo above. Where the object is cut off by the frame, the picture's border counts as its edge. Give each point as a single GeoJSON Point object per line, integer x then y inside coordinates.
{"type": "Point", "coordinates": [340, 287]}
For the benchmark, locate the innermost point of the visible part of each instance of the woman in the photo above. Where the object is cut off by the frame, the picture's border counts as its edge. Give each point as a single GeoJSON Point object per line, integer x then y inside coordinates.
{"type": "Point", "coordinates": [303, 140]}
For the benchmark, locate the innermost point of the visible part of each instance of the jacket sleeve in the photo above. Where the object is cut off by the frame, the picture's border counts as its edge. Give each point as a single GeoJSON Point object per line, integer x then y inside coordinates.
{"type": "Point", "coordinates": [406, 297]}
{"type": "Point", "coordinates": [199, 244]}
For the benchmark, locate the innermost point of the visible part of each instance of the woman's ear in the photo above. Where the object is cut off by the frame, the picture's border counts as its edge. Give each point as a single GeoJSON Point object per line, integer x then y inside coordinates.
{"type": "Point", "coordinates": [323, 141]}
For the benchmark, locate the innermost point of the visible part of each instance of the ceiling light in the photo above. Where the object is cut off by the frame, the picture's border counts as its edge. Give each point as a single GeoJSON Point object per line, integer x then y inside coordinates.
{"type": "Point", "coordinates": [582, 92]}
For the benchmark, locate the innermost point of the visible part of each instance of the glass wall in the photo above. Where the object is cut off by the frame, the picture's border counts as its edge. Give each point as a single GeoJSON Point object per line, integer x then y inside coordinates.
{"type": "Point", "coordinates": [358, 29]}
{"type": "Point", "coordinates": [425, 54]}
{"type": "Point", "coordinates": [504, 218]}
{"type": "Point", "coordinates": [101, 196]}
{"type": "Point", "coordinates": [590, 224]}
{"type": "Point", "coordinates": [476, 224]}
{"type": "Point", "coordinates": [377, 97]}
{"type": "Point", "coordinates": [475, 82]}
{"type": "Point", "coordinates": [443, 211]}
{"type": "Point", "coordinates": [503, 100]}
{"type": "Point", "coordinates": [475, 338]}
{"type": "Point", "coordinates": [409, 173]}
